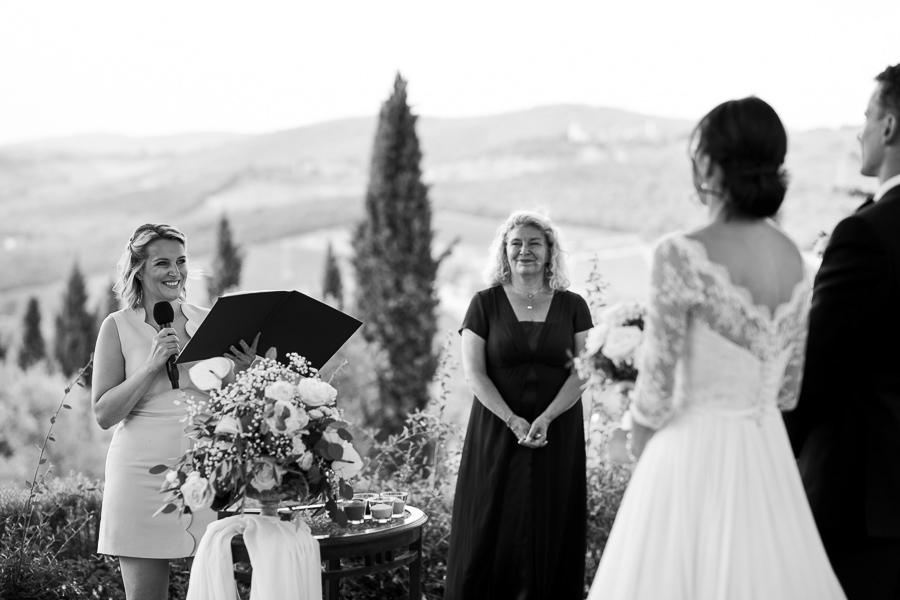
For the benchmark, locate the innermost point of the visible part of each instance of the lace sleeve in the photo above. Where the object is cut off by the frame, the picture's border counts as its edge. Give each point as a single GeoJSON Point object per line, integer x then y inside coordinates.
{"type": "Point", "coordinates": [793, 372]}
{"type": "Point", "coordinates": [672, 288]}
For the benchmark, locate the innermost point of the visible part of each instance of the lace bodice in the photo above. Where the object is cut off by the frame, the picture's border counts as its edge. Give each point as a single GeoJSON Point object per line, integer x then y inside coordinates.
{"type": "Point", "coordinates": [709, 346]}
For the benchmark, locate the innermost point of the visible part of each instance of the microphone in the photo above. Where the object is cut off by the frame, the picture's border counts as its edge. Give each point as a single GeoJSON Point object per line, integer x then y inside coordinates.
{"type": "Point", "coordinates": [164, 315]}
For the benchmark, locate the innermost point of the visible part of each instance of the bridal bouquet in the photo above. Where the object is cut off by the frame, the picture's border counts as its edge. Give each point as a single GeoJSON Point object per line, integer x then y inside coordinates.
{"type": "Point", "coordinates": [274, 433]}
{"type": "Point", "coordinates": [607, 365]}
{"type": "Point", "coordinates": [609, 351]}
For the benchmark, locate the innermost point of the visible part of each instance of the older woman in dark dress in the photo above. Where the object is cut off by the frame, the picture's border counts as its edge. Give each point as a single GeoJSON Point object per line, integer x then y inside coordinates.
{"type": "Point", "coordinates": [519, 514]}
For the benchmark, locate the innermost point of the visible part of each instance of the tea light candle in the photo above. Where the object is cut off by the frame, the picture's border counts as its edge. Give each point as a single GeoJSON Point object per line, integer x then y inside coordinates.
{"type": "Point", "coordinates": [355, 509]}
{"type": "Point", "coordinates": [382, 511]}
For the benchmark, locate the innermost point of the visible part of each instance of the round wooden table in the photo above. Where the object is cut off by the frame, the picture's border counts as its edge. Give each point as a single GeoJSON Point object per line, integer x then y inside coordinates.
{"type": "Point", "coordinates": [378, 547]}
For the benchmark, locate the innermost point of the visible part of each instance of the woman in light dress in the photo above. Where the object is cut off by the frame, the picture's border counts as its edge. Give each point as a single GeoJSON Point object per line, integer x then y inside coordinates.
{"type": "Point", "coordinates": [715, 508]}
{"type": "Point", "coordinates": [131, 391]}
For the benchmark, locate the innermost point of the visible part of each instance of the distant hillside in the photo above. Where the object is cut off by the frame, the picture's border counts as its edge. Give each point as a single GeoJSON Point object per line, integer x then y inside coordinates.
{"type": "Point", "coordinates": [77, 199]}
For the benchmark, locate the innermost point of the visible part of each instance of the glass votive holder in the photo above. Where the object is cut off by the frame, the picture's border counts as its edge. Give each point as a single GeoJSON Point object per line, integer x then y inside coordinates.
{"type": "Point", "coordinates": [355, 510]}
{"type": "Point", "coordinates": [382, 510]}
{"type": "Point", "coordinates": [367, 498]}
{"type": "Point", "coordinates": [398, 499]}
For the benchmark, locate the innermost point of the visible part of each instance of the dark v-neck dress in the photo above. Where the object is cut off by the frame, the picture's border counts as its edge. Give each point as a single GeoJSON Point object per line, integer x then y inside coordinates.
{"type": "Point", "coordinates": [519, 515]}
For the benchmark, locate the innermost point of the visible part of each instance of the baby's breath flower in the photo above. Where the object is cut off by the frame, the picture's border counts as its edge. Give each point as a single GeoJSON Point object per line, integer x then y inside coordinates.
{"type": "Point", "coordinates": [259, 432]}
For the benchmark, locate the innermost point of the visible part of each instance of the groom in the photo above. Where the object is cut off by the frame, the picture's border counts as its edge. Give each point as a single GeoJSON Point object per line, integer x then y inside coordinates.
{"type": "Point", "coordinates": [846, 428]}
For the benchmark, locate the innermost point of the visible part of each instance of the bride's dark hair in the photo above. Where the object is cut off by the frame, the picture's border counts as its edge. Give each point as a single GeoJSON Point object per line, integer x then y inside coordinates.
{"type": "Point", "coordinates": [746, 139]}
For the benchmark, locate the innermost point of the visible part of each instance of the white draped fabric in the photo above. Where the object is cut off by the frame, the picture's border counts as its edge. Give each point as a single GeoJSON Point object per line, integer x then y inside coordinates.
{"type": "Point", "coordinates": [284, 555]}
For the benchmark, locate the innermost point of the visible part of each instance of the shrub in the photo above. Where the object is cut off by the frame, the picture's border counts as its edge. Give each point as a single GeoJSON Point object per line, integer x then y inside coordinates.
{"type": "Point", "coordinates": [422, 459]}
{"type": "Point", "coordinates": [58, 558]}
{"type": "Point", "coordinates": [606, 483]}
{"type": "Point", "coordinates": [27, 400]}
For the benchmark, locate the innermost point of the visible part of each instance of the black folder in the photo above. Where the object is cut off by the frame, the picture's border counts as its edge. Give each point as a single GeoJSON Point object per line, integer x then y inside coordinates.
{"type": "Point", "coordinates": [288, 320]}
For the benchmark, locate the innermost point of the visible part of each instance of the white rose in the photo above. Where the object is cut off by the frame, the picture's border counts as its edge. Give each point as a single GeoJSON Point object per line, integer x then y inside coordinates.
{"type": "Point", "coordinates": [280, 390]}
{"type": "Point", "coordinates": [316, 413]}
{"type": "Point", "coordinates": [595, 338]}
{"type": "Point", "coordinates": [315, 392]}
{"type": "Point", "coordinates": [286, 418]}
{"type": "Point", "coordinates": [228, 425]}
{"type": "Point", "coordinates": [614, 314]}
{"type": "Point", "coordinates": [198, 493]}
{"type": "Point", "coordinates": [266, 475]}
{"type": "Point", "coordinates": [621, 342]}
{"type": "Point", "coordinates": [306, 460]}
{"type": "Point", "coordinates": [350, 463]}
{"type": "Point", "coordinates": [613, 402]}
{"type": "Point", "coordinates": [208, 374]}
{"type": "Point", "coordinates": [298, 419]}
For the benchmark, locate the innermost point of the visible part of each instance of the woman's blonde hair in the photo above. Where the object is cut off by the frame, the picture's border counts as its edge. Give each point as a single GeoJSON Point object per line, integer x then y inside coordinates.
{"type": "Point", "coordinates": [128, 287]}
{"type": "Point", "coordinates": [498, 270]}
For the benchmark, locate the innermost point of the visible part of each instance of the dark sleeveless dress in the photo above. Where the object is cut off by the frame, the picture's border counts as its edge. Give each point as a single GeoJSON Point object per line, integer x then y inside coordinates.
{"type": "Point", "coordinates": [519, 515]}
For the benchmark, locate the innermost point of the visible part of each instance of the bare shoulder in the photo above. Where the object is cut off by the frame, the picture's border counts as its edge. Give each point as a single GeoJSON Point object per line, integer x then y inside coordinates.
{"type": "Point", "coordinates": [108, 328]}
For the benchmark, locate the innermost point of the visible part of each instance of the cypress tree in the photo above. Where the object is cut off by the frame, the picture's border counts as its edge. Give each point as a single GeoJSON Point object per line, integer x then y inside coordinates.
{"type": "Point", "coordinates": [395, 270]}
{"type": "Point", "coordinates": [108, 304]}
{"type": "Point", "coordinates": [110, 301]}
{"type": "Point", "coordinates": [76, 328]}
{"type": "Point", "coordinates": [227, 264]}
{"type": "Point", "coordinates": [32, 349]}
{"type": "Point", "coordinates": [332, 286]}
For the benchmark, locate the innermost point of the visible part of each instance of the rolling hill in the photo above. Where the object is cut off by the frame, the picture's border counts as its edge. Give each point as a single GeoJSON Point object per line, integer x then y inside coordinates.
{"type": "Point", "coordinates": [77, 199]}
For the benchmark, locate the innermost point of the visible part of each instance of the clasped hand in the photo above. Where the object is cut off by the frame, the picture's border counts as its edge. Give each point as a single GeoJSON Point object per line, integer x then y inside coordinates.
{"type": "Point", "coordinates": [530, 435]}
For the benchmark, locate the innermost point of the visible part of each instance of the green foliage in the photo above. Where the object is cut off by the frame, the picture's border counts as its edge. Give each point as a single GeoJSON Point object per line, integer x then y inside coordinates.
{"type": "Point", "coordinates": [332, 285]}
{"type": "Point", "coordinates": [423, 459]}
{"type": "Point", "coordinates": [76, 328]}
{"type": "Point", "coordinates": [33, 562]}
{"type": "Point", "coordinates": [395, 270]}
{"type": "Point", "coordinates": [27, 401]}
{"type": "Point", "coordinates": [109, 303]}
{"type": "Point", "coordinates": [226, 275]}
{"type": "Point", "coordinates": [32, 349]}
{"type": "Point", "coordinates": [355, 379]}
{"type": "Point", "coordinates": [606, 483]}
{"type": "Point", "coordinates": [58, 557]}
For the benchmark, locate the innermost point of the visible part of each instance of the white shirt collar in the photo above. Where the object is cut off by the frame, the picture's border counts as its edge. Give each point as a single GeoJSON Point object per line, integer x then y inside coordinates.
{"type": "Point", "coordinates": [884, 187]}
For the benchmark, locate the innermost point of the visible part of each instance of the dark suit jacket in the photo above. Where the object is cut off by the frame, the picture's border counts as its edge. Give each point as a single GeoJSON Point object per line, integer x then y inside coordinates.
{"type": "Point", "coordinates": [845, 430]}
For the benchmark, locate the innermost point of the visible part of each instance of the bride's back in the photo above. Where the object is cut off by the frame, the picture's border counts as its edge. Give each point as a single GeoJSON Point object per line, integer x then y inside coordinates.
{"type": "Point", "coordinates": [758, 257]}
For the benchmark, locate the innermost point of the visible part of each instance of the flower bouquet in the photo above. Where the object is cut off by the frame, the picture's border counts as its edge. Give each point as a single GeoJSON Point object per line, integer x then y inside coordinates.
{"type": "Point", "coordinates": [273, 434]}
{"type": "Point", "coordinates": [608, 366]}
{"type": "Point", "coordinates": [609, 351]}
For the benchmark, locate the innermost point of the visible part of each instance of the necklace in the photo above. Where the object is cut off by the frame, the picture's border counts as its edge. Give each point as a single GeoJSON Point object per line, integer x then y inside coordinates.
{"type": "Point", "coordinates": [529, 305]}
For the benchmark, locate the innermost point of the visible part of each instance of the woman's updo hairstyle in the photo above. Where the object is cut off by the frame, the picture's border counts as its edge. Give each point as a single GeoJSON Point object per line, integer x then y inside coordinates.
{"type": "Point", "coordinates": [746, 139]}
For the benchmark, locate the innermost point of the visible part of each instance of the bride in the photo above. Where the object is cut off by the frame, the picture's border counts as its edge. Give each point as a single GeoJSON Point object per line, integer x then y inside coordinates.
{"type": "Point", "coordinates": [715, 508]}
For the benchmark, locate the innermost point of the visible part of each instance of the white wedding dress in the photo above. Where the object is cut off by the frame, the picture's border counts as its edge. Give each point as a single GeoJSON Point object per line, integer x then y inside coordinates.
{"type": "Point", "coordinates": [715, 509]}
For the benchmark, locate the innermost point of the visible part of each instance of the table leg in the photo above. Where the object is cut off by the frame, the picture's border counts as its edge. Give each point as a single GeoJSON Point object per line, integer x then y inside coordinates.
{"type": "Point", "coordinates": [333, 587]}
{"type": "Point", "coordinates": [415, 572]}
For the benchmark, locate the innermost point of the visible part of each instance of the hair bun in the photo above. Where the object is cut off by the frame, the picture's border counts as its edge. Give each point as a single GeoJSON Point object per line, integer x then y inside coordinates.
{"type": "Point", "coordinates": [747, 140]}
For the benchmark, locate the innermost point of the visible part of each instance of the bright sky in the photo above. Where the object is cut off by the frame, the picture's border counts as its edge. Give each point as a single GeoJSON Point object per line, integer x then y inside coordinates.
{"type": "Point", "coordinates": [156, 67]}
